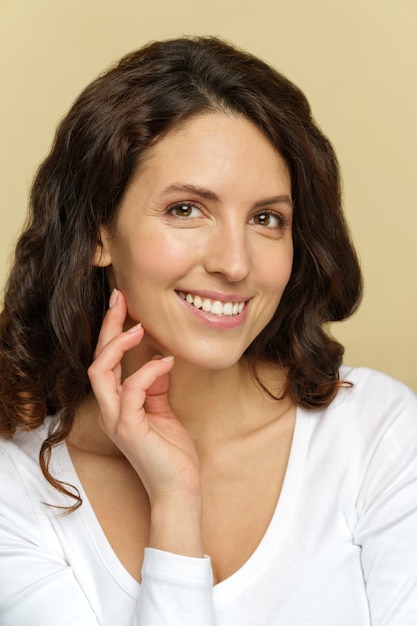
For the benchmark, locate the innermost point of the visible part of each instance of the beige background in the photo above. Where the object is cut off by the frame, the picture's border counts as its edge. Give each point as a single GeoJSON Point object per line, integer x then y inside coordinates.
{"type": "Point", "coordinates": [355, 59]}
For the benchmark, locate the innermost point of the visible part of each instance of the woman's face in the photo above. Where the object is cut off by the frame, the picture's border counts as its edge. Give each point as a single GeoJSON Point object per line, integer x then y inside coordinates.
{"type": "Point", "coordinates": [203, 244]}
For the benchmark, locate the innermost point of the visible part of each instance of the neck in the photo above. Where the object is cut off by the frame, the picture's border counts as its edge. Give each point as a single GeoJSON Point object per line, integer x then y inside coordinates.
{"type": "Point", "coordinates": [220, 404]}
{"type": "Point", "coordinates": [213, 405]}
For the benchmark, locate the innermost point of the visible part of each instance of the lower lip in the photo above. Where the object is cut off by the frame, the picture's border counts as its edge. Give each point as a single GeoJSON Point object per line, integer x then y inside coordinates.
{"type": "Point", "coordinates": [219, 322]}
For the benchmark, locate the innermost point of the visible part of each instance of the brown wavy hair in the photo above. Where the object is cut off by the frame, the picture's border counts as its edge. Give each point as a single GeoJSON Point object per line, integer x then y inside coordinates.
{"type": "Point", "coordinates": [55, 298]}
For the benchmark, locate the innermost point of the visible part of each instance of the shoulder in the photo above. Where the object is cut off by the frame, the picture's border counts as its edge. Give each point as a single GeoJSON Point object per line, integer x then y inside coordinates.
{"type": "Point", "coordinates": [21, 478]}
{"type": "Point", "coordinates": [20, 473]}
{"type": "Point", "coordinates": [20, 454]}
{"type": "Point", "coordinates": [365, 378]}
{"type": "Point", "coordinates": [379, 412]}
{"type": "Point", "coordinates": [30, 542]}
{"type": "Point", "coordinates": [373, 411]}
{"type": "Point", "coordinates": [367, 436]}
{"type": "Point", "coordinates": [375, 393]}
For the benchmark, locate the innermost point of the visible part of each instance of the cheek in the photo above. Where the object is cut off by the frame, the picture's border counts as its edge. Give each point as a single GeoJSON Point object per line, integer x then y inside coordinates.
{"type": "Point", "coordinates": [278, 280]}
{"type": "Point", "coordinates": [278, 271]}
{"type": "Point", "coordinates": [141, 264]}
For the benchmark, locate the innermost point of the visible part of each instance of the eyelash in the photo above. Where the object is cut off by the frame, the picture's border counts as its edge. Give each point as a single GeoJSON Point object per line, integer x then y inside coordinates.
{"type": "Point", "coordinates": [191, 205]}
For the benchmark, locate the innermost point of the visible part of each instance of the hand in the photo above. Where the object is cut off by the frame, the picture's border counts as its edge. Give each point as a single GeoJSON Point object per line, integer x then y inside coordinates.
{"type": "Point", "coordinates": [136, 416]}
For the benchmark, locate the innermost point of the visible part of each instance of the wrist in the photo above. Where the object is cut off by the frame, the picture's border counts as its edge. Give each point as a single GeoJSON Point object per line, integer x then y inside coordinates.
{"type": "Point", "coordinates": [176, 527]}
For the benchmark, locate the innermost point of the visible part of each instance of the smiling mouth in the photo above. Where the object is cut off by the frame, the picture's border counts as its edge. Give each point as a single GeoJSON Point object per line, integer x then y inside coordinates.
{"type": "Point", "coordinates": [213, 306]}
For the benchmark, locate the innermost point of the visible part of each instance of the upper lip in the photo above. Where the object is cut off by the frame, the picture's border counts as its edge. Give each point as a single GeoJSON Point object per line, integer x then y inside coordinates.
{"type": "Point", "coordinates": [215, 295]}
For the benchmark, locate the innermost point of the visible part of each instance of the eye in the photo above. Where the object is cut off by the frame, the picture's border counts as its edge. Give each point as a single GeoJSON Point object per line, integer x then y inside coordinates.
{"type": "Point", "coordinates": [269, 219]}
{"type": "Point", "coordinates": [184, 210]}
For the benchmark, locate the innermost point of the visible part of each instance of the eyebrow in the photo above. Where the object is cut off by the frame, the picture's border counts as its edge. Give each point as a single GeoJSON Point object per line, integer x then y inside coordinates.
{"type": "Point", "coordinates": [210, 195]}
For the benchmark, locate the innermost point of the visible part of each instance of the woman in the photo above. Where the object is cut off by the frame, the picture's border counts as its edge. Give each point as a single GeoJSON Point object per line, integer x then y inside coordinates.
{"type": "Point", "coordinates": [217, 465]}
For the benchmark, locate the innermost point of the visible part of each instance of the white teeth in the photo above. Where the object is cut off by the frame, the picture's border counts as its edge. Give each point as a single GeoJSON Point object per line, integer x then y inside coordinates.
{"type": "Point", "coordinates": [213, 306]}
{"type": "Point", "coordinates": [217, 308]}
{"type": "Point", "coordinates": [207, 305]}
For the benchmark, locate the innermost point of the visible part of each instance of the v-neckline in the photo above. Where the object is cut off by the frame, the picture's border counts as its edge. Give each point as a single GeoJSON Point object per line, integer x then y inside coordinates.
{"type": "Point", "coordinates": [274, 534]}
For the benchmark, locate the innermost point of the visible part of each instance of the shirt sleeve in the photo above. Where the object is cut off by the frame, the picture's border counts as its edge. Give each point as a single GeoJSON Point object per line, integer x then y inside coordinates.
{"type": "Point", "coordinates": [38, 586]}
{"type": "Point", "coordinates": [386, 528]}
{"type": "Point", "coordinates": [176, 589]}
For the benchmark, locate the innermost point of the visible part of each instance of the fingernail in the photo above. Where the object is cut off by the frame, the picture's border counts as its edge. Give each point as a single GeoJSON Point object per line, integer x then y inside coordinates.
{"type": "Point", "coordinates": [135, 328]}
{"type": "Point", "coordinates": [160, 357]}
{"type": "Point", "coordinates": [113, 298]}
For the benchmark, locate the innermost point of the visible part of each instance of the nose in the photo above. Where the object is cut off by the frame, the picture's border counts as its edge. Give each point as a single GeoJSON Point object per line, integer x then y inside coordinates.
{"type": "Point", "coordinates": [227, 252]}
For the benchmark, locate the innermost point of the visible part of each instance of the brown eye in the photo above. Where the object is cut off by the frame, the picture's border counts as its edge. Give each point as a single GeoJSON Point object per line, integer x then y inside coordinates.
{"type": "Point", "coordinates": [184, 209]}
{"type": "Point", "coordinates": [267, 219]}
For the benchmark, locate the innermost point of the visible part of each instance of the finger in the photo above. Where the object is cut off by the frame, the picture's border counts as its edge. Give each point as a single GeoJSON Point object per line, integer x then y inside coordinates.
{"type": "Point", "coordinates": [157, 396]}
{"type": "Point", "coordinates": [102, 372]}
{"type": "Point", "coordinates": [134, 394]}
{"type": "Point", "coordinates": [113, 321]}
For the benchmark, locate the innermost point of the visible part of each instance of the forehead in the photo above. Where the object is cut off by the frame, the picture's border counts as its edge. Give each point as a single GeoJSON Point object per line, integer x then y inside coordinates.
{"type": "Point", "coordinates": [213, 144]}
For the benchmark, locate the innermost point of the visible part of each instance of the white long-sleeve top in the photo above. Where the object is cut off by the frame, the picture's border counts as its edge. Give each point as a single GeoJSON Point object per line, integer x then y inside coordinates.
{"type": "Point", "coordinates": [341, 548]}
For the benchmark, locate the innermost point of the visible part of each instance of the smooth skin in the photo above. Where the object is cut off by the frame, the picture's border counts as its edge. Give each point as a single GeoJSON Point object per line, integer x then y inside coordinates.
{"type": "Point", "coordinates": [184, 452]}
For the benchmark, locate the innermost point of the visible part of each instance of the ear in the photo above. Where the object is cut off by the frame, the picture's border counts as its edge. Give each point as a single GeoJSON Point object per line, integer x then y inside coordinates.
{"type": "Point", "coordinates": [102, 255]}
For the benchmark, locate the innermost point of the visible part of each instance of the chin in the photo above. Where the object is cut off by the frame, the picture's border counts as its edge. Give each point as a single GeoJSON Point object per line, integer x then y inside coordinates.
{"type": "Point", "coordinates": [210, 361]}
